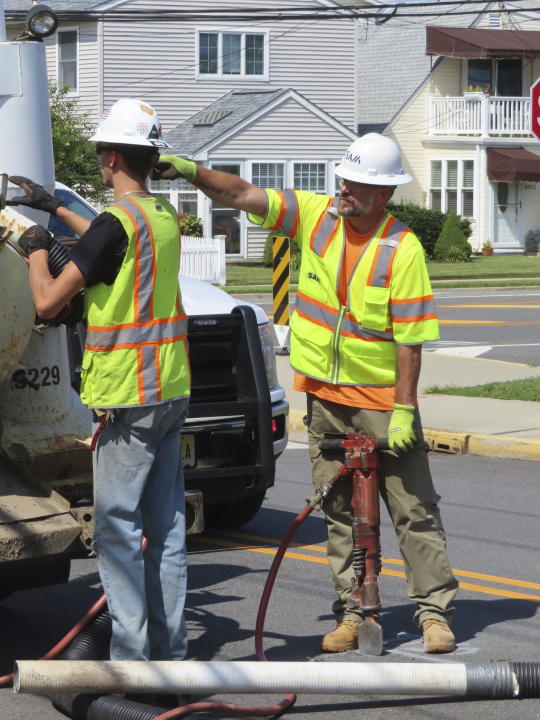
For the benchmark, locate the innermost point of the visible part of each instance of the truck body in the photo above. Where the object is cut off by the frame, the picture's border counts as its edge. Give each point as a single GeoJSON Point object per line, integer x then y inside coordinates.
{"type": "Point", "coordinates": [238, 419]}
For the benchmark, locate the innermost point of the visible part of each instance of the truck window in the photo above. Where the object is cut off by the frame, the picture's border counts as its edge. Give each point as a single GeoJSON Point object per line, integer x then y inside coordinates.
{"type": "Point", "coordinates": [72, 202]}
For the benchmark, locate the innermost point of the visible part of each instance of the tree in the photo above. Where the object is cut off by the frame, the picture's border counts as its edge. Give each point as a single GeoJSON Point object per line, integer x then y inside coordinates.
{"type": "Point", "coordinates": [75, 159]}
{"type": "Point", "coordinates": [452, 245]}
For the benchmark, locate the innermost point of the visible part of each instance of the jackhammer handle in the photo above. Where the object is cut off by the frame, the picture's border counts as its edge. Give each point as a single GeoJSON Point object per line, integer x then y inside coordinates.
{"type": "Point", "coordinates": [337, 444]}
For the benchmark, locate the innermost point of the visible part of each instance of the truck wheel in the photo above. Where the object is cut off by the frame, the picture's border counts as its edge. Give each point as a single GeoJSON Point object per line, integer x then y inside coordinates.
{"type": "Point", "coordinates": [231, 515]}
{"type": "Point", "coordinates": [25, 574]}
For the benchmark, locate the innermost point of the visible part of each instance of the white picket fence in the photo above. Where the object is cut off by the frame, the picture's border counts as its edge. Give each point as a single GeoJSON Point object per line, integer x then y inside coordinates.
{"type": "Point", "coordinates": [204, 258]}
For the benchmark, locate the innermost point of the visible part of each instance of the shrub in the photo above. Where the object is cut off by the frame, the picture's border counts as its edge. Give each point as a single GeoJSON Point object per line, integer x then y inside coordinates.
{"type": "Point", "coordinates": [295, 252]}
{"type": "Point", "coordinates": [452, 245]}
{"type": "Point", "coordinates": [426, 224]}
{"type": "Point", "coordinates": [190, 225]}
{"type": "Point", "coordinates": [532, 240]}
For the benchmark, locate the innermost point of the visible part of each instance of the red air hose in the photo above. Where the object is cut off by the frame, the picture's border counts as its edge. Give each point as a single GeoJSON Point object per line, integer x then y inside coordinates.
{"type": "Point", "coordinates": [274, 711]}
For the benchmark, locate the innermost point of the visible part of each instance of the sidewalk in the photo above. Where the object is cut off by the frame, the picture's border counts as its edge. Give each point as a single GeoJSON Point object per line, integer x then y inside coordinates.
{"type": "Point", "coordinates": [481, 426]}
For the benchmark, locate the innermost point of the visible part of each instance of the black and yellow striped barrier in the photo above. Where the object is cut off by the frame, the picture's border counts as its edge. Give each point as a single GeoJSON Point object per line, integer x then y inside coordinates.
{"type": "Point", "coordinates": [281, 254]}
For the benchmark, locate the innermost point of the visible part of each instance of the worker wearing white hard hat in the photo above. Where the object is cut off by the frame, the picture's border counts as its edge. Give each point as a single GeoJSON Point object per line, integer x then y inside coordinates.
{"type": "Point", "coordinates": [373, 159]}
{"type": "Point", "coordinates": [130, 122]}
{"type": "Point", "coordinates": [135, 377]}
{"type": "Point", "coordinates": [364, 307]}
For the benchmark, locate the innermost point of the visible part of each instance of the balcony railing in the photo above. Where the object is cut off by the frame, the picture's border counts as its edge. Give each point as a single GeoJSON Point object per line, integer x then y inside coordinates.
{"type": "Point", "coordinates": [477, 114]}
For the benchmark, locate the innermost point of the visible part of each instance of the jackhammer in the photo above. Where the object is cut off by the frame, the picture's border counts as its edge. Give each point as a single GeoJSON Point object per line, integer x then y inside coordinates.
{"type": "Point", "coordinates": [362, 465]}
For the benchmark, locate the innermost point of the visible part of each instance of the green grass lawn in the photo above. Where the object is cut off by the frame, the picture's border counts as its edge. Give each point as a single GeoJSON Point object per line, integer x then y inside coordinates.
{"type": "Point", "coordinates": [482, 268]}
{"type": "Point", "coordinates": [500, 266]}
{"type": "Point", "coordinates": [528, 389]}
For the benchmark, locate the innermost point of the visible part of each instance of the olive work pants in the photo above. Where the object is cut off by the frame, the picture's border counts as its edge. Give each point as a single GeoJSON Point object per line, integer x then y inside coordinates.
{"type": "Point", "coordinates": [407, 490]}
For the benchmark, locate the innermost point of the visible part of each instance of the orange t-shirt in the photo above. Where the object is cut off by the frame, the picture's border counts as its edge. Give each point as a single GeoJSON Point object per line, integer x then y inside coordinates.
{"type": "Point", "coordinates": [369, 398]}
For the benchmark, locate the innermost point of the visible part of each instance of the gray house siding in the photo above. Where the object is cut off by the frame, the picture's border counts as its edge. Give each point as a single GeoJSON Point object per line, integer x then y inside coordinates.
{"type": "Point", "coordinates": [290, 131]}
{"type": "Point", "coordinates": [157, 61]}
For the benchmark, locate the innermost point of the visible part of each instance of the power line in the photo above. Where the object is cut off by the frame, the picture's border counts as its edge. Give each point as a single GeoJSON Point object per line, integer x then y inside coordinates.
{"type": "Point", "coordinates": [278, 14]}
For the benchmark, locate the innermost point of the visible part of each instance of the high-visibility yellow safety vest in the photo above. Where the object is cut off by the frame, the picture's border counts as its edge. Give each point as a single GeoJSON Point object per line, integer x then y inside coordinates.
{"type": "Point", "coordinates": [389, 297]}
{"type": "Point", "coordinates": [136, 344]}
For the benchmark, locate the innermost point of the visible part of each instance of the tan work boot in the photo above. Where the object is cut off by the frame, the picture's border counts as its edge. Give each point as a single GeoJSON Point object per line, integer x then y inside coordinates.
{"type": "Point", "coordinates": [438, 638]}
{"type": "Point", "coordinates": [343, 638]}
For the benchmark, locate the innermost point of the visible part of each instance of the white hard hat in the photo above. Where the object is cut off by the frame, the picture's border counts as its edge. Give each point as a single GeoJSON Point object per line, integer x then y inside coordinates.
{"type": "Point", "coordinates": [373, 159]}
{"type": "Point", "coordinates": [130, 122]}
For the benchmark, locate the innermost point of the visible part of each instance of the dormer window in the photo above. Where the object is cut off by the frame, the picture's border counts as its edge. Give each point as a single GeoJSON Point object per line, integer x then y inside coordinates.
{"type": "Point", "coordinates": [233, 55]}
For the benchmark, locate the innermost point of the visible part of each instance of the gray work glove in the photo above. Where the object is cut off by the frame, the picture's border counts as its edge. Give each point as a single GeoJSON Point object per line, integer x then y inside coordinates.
{"type": "Point", "coordinates": [35, 238]}
{"type": "Point", "coordinates": [35, 196]}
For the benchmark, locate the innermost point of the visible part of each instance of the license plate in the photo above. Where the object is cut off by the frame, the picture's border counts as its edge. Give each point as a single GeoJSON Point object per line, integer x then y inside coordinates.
{"type": "Point", "coordinates": [187, 450]}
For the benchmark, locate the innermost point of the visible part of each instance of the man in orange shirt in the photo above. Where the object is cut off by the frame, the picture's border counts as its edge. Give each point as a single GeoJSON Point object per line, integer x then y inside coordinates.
{"type": "Point", "coordinates": [363, 308]}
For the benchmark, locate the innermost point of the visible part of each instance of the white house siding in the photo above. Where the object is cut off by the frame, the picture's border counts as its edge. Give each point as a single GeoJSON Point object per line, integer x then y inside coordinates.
{"type": "Point", "coordinates": [88, 92]}
{"type": "Point", "coordinates": [289, 131]}
{"type": "Point", "coordinates": [157, 61]}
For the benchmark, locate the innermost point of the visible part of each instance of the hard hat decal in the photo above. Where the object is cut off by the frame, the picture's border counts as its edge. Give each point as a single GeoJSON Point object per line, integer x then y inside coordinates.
{"type": "Point", "coordinates": [147, 109]}
{"type": "Point", "coordinates": [142, 128]}
{"type": "Point", "coordinates": [352, 158]}
{"type": "Point", "coordinates": [373, 159]}
{"type": "Point", "coordinates": [154, 133]}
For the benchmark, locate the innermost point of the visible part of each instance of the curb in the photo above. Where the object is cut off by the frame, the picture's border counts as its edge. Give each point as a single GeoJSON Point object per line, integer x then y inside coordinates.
{"type": "Point", "coordinates": [457, 442]}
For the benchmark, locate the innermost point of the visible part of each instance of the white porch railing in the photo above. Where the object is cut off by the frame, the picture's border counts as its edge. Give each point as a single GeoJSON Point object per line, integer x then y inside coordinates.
{"type": "Point", "coordinates": [204, 258]}
{"type": "Point", "coordinates": [480, 115]}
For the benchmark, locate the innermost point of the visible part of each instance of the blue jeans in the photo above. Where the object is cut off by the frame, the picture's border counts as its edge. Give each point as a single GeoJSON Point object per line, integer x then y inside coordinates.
{"type": "Point", "coordinates": [139, 490]}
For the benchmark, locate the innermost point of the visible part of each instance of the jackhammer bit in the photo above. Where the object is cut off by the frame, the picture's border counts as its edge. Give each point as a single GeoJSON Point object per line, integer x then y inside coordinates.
{"type": "Point", "coordinates": [362, 465]}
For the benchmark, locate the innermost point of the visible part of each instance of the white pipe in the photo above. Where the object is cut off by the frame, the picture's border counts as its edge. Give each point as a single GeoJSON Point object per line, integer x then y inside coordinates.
{"type": "Point", "coordinates": [48, 677]}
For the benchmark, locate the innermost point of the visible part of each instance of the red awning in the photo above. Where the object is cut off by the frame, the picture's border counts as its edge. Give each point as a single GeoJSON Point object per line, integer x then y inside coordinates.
{"type": "Point", "coordinates": [480, 43]}
{"type": "Point", "coordinates": [512, 165]}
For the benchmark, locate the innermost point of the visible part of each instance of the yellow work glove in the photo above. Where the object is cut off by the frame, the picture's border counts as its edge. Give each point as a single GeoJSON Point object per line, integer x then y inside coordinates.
{"type": "Point", "coordinates": [401, 437]}
{"type": "Point", "coordinates": [170, 167]}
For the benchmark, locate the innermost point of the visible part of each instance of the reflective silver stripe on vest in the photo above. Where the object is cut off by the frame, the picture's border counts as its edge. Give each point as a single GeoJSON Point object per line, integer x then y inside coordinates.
{"type": "Point", "coordinates": [326, 228]}
{"type": "Point", "coordinates": [330, 319]}
{"type": "Point", "coordinates": [110, 338]}
{"type": "Point", "coordinates": [413, 310]}
{"type": "Point", "coordinates": [316, 312]}
{"type": "Point", "coordinates": [150, 375]}
{"type": "Point", "coordinates": [388, 245]}
{"type": "Point", "coordinates": [354, 328]}
{"type": "Point", "coordinates": [288, 222]}
{"type": "Point", "coordinates": [144, 254]}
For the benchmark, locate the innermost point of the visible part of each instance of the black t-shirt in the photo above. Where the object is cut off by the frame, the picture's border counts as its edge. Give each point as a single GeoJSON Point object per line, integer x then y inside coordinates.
{"type": "Point", "coordinates": [100, 251]}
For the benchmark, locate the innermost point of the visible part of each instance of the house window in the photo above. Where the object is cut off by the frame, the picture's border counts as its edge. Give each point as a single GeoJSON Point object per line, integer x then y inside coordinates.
{"type": "Point", "coordinates": [268, 175]}
{"type": "Point", "coordinates": [67, 59]}
{"type": "Point", "coordinates": [233, 54]}
{"type": "Point", "coordinates": [181, 194]}
{"type": "Point", "coordinates": [452, 186]}
{"type": "Point", "coordinates": [496, 77]}
{"type": "Point", "coordinates": [310, 176]}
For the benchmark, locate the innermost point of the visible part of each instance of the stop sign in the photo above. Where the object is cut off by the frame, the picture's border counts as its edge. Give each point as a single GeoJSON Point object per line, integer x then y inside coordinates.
{"type": "Point", "coordinates": [535, 109]}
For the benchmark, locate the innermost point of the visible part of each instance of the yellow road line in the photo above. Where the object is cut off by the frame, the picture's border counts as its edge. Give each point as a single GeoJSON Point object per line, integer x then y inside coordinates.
{"type": "Point", "coordinates": [489, 322]}
{"type": "Point", "coordinates": [493, 305]}
{"type": "Point", "coordinates": [395, 561]}
{"type": "Point", "coordinates": [384, 571]}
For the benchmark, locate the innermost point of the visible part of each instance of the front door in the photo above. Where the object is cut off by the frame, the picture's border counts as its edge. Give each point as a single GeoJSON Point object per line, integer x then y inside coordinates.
{"type": "Point", "coordinates": [507, 215]}
{"type": "Point", "coordinates": [227, 221]}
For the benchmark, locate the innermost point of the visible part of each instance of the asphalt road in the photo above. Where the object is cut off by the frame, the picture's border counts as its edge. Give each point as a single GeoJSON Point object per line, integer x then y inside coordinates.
{"type": "Point", "coordinates": [495, 323]}
{"type": "Point", "coordinates": [490, 511]}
